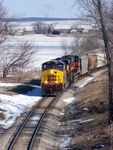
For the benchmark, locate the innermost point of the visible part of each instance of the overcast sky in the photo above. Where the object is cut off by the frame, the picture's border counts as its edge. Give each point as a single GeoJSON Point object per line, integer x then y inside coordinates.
{"type": "Point", "coordinates": [42, 8]}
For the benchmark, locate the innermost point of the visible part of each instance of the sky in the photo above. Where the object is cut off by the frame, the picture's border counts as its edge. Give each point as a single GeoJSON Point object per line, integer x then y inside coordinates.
{"type": "Point", "coordinates": [42, 8]}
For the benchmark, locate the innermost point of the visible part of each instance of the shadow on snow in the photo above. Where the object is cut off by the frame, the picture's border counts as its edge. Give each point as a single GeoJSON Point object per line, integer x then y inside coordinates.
{"type": "Point", "coordinates": [31, 88]}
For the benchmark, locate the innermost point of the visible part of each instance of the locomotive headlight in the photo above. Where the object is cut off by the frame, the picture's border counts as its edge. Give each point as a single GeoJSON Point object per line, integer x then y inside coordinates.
{"type": "Point", "coordinates": [51, 71]}
{"type": "Point", "coordinates": [45, 82]}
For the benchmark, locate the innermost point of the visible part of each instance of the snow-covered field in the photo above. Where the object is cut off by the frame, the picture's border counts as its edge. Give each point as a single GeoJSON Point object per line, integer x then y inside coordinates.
{"type": "Point", "coordinates": [47, 47]}
{"type": "Point", "coordinates": [67, 24]}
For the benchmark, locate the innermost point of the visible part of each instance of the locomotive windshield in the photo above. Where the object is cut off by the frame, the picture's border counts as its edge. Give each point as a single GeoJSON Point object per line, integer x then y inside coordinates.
{"type": "Point", "coordinates": [53, 66]}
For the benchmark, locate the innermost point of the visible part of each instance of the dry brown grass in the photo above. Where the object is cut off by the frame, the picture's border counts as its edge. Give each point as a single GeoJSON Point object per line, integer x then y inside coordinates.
{"type": "Point", "coordinates": [90, 134]}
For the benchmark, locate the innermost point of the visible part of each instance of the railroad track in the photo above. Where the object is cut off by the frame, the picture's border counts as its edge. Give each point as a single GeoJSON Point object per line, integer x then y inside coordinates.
{"type": "Point", "coordinates": [22, 139]}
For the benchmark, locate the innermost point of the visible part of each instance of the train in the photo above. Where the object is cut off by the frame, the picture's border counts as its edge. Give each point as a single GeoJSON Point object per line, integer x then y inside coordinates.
{"type": "Point", "coordinates": [59, 73]}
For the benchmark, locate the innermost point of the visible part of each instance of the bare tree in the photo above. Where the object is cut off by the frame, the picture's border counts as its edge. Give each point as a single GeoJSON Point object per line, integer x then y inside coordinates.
{"type": "Point", "coordinates": [51, 27]}
{"type": "Point", "coordinates": [81, 45]}
{"type": "Point", "coordinates": [11, 29]}
{"type": "Point", "coordinates": [16, 58]}
{"type": "Point", "coordinates": [89, 43]}
{"type": "Point", "coordinates": [73, 48]}
{"type": "Point", "coordinates": [42, 28]}
{"type": "Point", "coordinates": [97, 10]}
{"type": "Point", "coordinates": [65, 47]}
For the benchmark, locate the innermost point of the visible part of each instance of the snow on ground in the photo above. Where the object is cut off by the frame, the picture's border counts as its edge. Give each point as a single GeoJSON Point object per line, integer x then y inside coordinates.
{"type": "Point", "coordinates": [39, 59]}
{"type": "Point", "coordinates": [86, 121]}
{"type": "Point", "coordinates": [84, 82]}
{"type": "Point", "coordinates": [9, 84]}
{"type": "Point", "coordinates": [80, 121]}
{"type": "Point", "coordinates": [69, 100]}
{"type": "Point", "coordinates": [15, 105]}
{"type": "Point", "coordinates": [65, 139]}
{"type": "Point", "coordinates": [39, 39]}
{"type": "Point", "coordinates": [65, 24]}
{"type": "Point", "coordinates": [35, 118]}
{"type": "Point", "coordinates": [45, 47]}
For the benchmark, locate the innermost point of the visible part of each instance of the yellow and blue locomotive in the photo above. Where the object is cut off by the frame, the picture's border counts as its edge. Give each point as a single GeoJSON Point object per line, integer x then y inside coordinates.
{"type": "Point", "coordinates": [57, 74]}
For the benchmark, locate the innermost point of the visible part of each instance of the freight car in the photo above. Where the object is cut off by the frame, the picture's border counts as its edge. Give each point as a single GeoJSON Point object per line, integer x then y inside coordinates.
{"type": "Point", "coordinates": [57, 74]}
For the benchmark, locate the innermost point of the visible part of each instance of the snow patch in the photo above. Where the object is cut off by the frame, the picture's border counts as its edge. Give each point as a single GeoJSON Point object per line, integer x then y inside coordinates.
{"type": "Point", "coordinates": [65, 141]}
{"type": "Point", "coordinates": [37, 117]}
{"type": "Point", "coordinates": [81, 120]}
{"type": "Point", "coordinates": [69, 100]}
{"type": "Point", "coordinates": [9, 84]}
{"type": "Point", "coordinates": [15, 105]}
{"type": "Point", "coordinates": [84, 82]}
{"type": "Point", "coordinates": [61, 113]}
{"type": "Point", "coordinates": [85, 121]}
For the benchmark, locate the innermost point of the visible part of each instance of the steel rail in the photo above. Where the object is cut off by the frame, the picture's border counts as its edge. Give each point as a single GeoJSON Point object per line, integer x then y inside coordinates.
{"type": "Point", "coordinates": [14, 139]}
{"type": "Point", "coordinates": [37, 128]}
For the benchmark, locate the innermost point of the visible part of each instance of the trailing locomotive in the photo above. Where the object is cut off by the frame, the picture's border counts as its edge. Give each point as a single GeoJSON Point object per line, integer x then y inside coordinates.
{"type": "Point", "coordinates": [57, 74]}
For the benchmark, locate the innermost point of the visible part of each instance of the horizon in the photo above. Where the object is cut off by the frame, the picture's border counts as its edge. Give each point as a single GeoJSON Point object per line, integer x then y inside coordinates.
{"type": "Point", "coordinates": [32, 19]}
